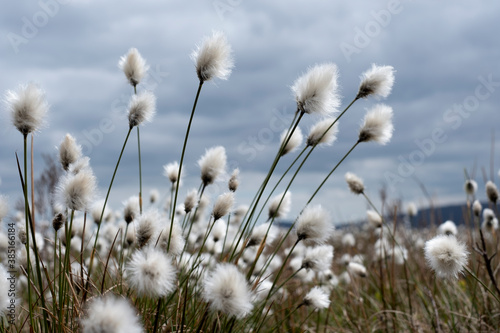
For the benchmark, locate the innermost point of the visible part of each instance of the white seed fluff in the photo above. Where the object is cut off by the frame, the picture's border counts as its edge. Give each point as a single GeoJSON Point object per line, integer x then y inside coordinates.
{"type": "Point", "coordinates": [213, 58]}
{"type": "Point", "coordinates": [142, 108]}
{"type": "Point", "coordinates": [314, 225]}
{"type": "Point", "coordinates": [377, 125]}
{"type": "Point", "coordinates": [316, 90]}
{"type": "Point", "coordinates": [111, 314]}
{"type": "Point", "coordinates": [150, 273]}
{"type": "Point", "coordinates": [446, 256]}
{"type": "Point", "coordinates": [377, 81]}
{"type": "Point", "coordinates": [227, 290]}
{"type": "Point", "coordinates": [317, 298]}
{"type": "Point", "coordinates": [27, 107]}
{"type": "Point", "coordinates": [133, 66]}
{"type": "Point", "coordinates": [323, 132]}
{"type": "Point", "coordinates": [212, 164]}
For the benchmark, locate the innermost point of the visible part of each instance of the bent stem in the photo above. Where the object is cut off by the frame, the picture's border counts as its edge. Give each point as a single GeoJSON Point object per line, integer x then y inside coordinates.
{"type": "Point", "coordinates": [102, 215]}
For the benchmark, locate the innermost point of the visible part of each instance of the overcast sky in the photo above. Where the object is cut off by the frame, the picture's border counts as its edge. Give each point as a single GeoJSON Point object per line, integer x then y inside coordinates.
{"type": "Point", "coordinates": [445, 98]}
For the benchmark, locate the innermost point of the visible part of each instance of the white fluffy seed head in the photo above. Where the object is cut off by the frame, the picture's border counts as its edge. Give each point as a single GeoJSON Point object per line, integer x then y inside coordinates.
{"type": "Point", "coordinates": [356, 269]}
{"type": "Point", "coordinates": [154, 195]}
{"type": "Point", "coordinates": [377, 81]}
{"type": "Point", "coordinates": [448, 228]}
{"type": "Point", "coordinates": [316, 90]}
{"type": "Point", "coordinates": [76, 191]}
{"type": "Point", "coordinates": [131, 209]}
{"type": "Point", "coordinates": [190, 201]}
{"type": "Point", "coordinates": [293, 143]}
{"type": "Point", "coordinates": [171, 171]}
{"type": "Point", "coordinates": [110, 314]}
{"type": "Point", "coordinates": [446, 256]}
{"type": "Point", "coordinates": [212, 164]}
{"type": "Point", "coordinates": [477, 208]}
{"type": "Point", "coordinates": [374, 219]}
{"type": "Point", "coordinates": [147, 227]}
{"type": "Point", "coordinates": [213, 58]}
{"type": "Point", "coordinates": [470, 187]}
{"type": "Point", "coordinates": [133, 66]}
{"type": "Point", "coordinates": [492, 191]}
{"type": "Point", "coordinates": [412, 209]}
{"type": "Point", "coordinates": [142, 108]}
{"type": "Point", "coordinates": [27, 107]}
{"type": "Point", "coordinates": [317, 298]}
{"type": "Point", "coordinates": [69, 151]}
{"type": "Point", "coordinates": [234, 181]}
{"type": "Point", "coordinates": [277, 210]}
{"type": "Point", "coordinates": [318, 258]}
{"type": "Point", "coordinates": [490, 221]}
{"type": "Point", "coordinates": [150, 273]}
{"type": "Point", "coordinates": [377, 125]}
{"type": "Point", "coordinates": [260, 231]}
{"type": "Point", "coordinates": [223, 205]}
{"type": "Point", "coordinates": [323, 132]}
{"type": "Point", "coordinates": [355, 183]}
{"type": "Point", "coordinates": [227, 290]}
{"type": "Point", "coordinates": [313, 225]}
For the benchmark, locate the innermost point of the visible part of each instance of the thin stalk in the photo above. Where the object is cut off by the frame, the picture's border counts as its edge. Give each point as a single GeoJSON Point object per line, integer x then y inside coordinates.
{"type": "Point", "coordinates": [140, 169]}
{"type": "Point", "coordinates": [482, 283]}
{"type": "Point", "coordinates": [157, 316]}
{"type": "Point", "coordinates": [102, 215]}
{"type": "Point", "coordinates": [183, 152]}
{"type": "Point", "coordinates": [330, 173]}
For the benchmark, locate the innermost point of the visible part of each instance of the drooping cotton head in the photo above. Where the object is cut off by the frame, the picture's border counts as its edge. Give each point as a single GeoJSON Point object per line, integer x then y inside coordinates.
{"type": "Point", "coordinates": [76, 191]}
{"type": "Point", "coordinates": [316, 90]}
{"type": "Point", "coordinates": [111, 314]}
{"type": "Point", "coordinates": [446, 256]}
{"type": "Point", "coordinates": [223, 205]}
{"type": "Point", "coordinates": [448, 228]}
{"type": "Point", "coordinates": [234, 181]}
{"type": "Point", "coordinates": [27, 108]}
{"type": "Point", "coordinates": [470, 187]}
{"type": "Point", "coordinates": [142, 108]}
{"type": "Point", "coordinates": [377, 125]}
{"type": "Point", "coordinates": [323, 132]}
{"type": "Point", "coordinates": [213, 58]}
{"type": "Point", "coordinates": [377, 81]}
{"type": "Point", "coordinates": [492, 192]}
{"type": "Point", "coordinates": [212, 164]}
{"type": "Point", "coordinates": [226, 290]}
{"type": "Point", "coordinates": [317, 298]}
{"type": "Point", "coordinates": [313, 225]}
{"type": "Point", "coordinates": [133, 66]}
{"type": "Point", "coordinates": [69, 151]}
{"type": "Point", "coordinates": [293, 143]}
{"type": "Point", "coordinates": [280, 206]}
{"type": "Point", "coordinates": [150, 273]}
{"type": "Point", "coordinates": [355, 183]}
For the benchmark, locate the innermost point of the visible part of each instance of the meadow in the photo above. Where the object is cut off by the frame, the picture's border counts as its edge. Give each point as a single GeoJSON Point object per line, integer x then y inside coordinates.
{"type": "Point", "coordinates": [201, 264]}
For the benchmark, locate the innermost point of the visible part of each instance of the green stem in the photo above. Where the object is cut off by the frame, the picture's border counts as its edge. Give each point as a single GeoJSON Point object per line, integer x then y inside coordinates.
{"type": "Point", "coordinates": [482, 283]}
{"type": "Point", "coordinates": [102, 215]}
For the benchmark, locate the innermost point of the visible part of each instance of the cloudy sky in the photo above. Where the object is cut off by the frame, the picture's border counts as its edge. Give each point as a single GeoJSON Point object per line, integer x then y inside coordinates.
{"type": "Point", "coordinates": [445, 98]}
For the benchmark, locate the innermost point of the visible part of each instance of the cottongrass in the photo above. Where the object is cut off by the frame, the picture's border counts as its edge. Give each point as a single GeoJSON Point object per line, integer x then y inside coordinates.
{"type": "Point", "coordinates": [133, 66]}
{"type": "Point", "coordinates": [212, 164]}
{"type": "Point", "coordinates": [377, 125]}
{"type": "Point", "coordinates": [213, 58]}
{"type": "Point", "coordinates": [313, 225]}
{"type": "Point", "coordinates": [226, 290]}
{"type": "Point", "coordinates": [27, 107]}
{"type": "Point", "coordinates": [111, 314]}
{"type": "Point", "coordinates": [446, 256]}
{"type": "Point", "coordinates": [377, 81]}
